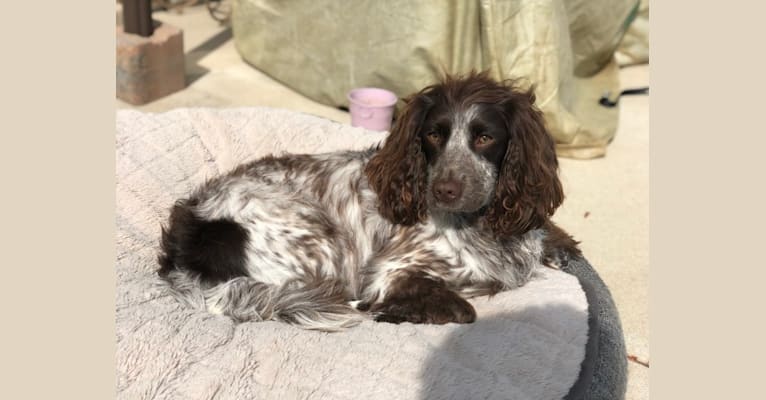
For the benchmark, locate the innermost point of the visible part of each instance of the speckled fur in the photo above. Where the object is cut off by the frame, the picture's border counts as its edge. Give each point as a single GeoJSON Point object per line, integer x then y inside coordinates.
{"type": "Point", "coordinates": [314, 240]}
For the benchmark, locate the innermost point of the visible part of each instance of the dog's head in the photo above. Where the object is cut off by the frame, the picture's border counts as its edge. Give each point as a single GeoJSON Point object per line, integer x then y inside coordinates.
{"type": "Point", "coordinates": [469, 145]}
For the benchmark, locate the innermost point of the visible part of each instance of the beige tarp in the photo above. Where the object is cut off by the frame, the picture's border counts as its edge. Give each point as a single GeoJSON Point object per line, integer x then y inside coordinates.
{"type": "Point", "coordinates": [323, 49]}
{"type": "Point", "coordinates": [634, 48]}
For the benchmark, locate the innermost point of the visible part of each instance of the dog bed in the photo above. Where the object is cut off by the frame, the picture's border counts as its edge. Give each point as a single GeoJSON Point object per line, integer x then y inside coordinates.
{"type": "Point", "coordinates": [557, 337]}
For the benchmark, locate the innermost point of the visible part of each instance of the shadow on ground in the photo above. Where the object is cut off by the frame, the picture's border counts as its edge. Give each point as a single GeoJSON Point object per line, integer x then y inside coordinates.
{"type": "Point", "coordinates": [531, 354]}
{"type": "Point", "coordinates": [194, 71]}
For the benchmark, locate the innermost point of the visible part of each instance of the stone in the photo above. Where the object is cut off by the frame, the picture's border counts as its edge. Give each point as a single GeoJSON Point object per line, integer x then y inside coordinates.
{"type": "Point", "coordinates": [149, 68]}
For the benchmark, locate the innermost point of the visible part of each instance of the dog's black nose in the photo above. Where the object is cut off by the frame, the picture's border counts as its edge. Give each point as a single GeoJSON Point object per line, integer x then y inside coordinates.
{"type": "Point", "coordinates": [447, 190]}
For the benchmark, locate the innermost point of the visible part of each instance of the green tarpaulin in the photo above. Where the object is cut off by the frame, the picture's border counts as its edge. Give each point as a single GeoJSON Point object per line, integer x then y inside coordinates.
{"type": "Point", "coordinates": [323, 49]}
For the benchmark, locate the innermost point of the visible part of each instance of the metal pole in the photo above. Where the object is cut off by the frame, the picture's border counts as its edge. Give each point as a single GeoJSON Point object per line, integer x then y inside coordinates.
{"type": "Point", "coordinates": [137, 17]}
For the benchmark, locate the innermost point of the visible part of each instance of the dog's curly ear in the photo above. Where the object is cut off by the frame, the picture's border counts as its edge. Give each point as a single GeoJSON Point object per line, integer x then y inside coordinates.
{"type": "Point", "coordinates": [528, 189]}
{"type": "Point", "coordinates": [397, 172]}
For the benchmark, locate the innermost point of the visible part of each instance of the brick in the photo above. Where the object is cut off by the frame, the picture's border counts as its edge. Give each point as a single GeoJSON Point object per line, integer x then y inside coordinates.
{"type": "Point", "coordinates": [150, 67]}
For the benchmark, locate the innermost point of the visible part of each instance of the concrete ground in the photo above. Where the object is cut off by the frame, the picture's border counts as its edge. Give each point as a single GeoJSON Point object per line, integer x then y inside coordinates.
{"type": "Point", "coordinates": [607, 205]}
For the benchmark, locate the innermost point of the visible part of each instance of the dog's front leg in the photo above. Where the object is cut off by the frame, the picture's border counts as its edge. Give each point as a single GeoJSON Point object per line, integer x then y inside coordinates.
{"type": "Point", "coordinates": [421, 299]}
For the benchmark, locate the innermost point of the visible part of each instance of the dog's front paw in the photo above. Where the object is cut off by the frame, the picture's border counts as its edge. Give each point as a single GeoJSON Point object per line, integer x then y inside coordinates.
{"type": "Point", "coordinates": [424, 301]}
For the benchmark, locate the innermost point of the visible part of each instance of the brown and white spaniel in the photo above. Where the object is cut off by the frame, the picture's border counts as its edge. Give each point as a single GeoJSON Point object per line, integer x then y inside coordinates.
{"type": "Point", "coordinates": [455, 204]}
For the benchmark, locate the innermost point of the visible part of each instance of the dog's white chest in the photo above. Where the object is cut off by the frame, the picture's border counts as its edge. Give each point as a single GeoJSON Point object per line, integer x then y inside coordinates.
{"type": "Point", "coordinates": [464, 256]}
{"type": "Point", "coordinates": [474, 258]}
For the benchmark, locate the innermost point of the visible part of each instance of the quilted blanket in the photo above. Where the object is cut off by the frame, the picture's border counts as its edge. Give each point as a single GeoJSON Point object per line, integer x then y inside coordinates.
{"type": "Point", "coordinates": [526, 343]}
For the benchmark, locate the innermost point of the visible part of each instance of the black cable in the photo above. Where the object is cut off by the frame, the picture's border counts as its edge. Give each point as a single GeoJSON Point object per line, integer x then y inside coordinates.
{"type": "Point", "coordinates": [606, 102]}
{"type": "Point", "coordinates": [220, 10]}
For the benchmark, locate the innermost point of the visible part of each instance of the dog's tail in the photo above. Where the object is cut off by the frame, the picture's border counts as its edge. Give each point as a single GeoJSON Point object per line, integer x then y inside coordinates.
{"type": "Point", "coordinates": [311, 303]}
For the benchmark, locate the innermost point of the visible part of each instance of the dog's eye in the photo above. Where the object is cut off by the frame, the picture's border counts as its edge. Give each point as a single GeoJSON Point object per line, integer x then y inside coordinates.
{"type": "Point", "coordinates": [434, 137]}
{"type": "Point", "coordinates": [483, 140]}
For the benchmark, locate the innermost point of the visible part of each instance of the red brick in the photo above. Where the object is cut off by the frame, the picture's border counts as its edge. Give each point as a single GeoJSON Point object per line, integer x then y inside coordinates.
{"type": "Point", "coordinates": [150, 67]}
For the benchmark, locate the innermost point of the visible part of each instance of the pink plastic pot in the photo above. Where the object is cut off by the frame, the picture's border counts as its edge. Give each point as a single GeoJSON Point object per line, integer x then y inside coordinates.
{"type": "Point", "coordinates": [372, 108]}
